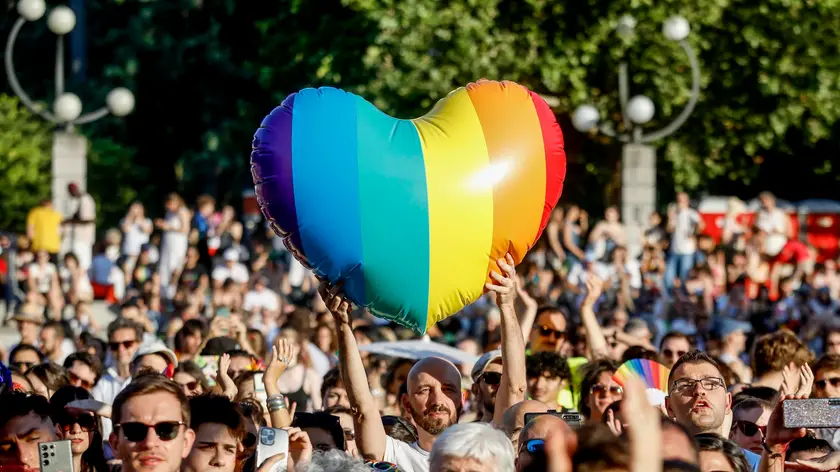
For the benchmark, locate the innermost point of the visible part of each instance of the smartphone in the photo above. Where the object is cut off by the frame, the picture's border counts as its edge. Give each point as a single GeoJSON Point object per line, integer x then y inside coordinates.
{"type": "Point", "coordinates": [812, 413]}
{"type": "Point", "coordinates": [271, 442]}
{"type": "Point", "coordinates": [209, 366]}
{"type": "Point", "coordinates": [259, 388]}
{"type": "Point", "coordinates": [575, 420]}
{"type": "Point", "coordinates": [55, 456]}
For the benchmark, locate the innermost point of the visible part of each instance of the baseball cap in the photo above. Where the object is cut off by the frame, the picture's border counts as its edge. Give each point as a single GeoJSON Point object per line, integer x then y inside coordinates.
{"type": "Point", "coordinates": [156, 347]}
{"type": "Point", "coordinates": [481, 364]}
{"type": "Point", "coordinates": [31, 313]}
{"type": "Point", "coordinates": [727, 326]}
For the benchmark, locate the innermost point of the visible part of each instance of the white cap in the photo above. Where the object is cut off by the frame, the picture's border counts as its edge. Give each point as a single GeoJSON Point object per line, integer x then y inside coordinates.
{"type": "Point", "coordinates": [156, 347]}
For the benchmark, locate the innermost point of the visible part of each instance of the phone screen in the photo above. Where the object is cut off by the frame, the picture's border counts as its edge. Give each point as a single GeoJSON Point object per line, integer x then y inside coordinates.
{"type": "Point", "coordinates": [575, 420]}
{"type": "Point", "coordinates": [259, 388]}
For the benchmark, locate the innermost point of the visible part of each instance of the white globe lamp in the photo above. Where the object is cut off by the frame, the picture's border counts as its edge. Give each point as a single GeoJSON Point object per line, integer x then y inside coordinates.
{"type": "Point", "coordinates": [61, 20]}
{"type": "Point", "coordinates": [640, 109]}
{"type": "Point", "coordinates": [585, 118]}
{"type": "Point", "coordinates": [67, 107]}
{"type": "Point", "coordinates": [626, 25]}
{"type": "Point", "coordinates": [31, 10]}
{"type": "Point", "coordinates": [120, 101]}
{"type": "Point", "coordinates": [676, 28]}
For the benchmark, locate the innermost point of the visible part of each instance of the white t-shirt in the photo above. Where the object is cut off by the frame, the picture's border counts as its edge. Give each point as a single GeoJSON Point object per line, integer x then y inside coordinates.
{"type": "Point", "coordinates": [43, 276]}
{"type": "Point", "coordinates": [135, 237]}
{"type": "Point", "coordinates": [409, 457]}
{"type": "Point", "coordinates": [238, 273]}
{"type": "Point", "coordinates": [775, 224]}
{"type": "Point", "coordinates": [683, 241]}
{"type": "Point", "coordinates": [85, 207]}
{"type": "Point", "coordinates": [255, 300]}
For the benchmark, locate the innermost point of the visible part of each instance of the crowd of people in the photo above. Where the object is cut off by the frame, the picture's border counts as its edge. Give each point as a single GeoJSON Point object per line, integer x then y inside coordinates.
{"type": "Point", "coordinates": [218, 331]}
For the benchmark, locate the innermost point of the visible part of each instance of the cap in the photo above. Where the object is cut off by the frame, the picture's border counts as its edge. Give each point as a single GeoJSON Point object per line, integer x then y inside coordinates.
{"type": "Point", "coordinates": [727, 326]}
{"type": "Point", "coordinates": [31, 313]}
{"type": "Point", "coordinates": [231, 255]}
{"type": "Point", "coordinates": [156, 347]}
{"type": "Point", "coordinates": [219, 345]}
{"type": "Point", "coordinates": [481, 364]}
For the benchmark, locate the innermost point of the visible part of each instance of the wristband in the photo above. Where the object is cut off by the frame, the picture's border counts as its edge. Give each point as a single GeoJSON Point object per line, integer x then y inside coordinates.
{"type": "Point", "coordinates": [773, 455]}
{"type": "Point", "coordinates": [276, 403]}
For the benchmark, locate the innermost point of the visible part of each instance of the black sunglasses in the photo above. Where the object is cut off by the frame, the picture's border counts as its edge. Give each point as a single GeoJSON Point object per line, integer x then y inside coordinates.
{"type": "Point", "coordinates": [749, 428]}
{"type": "Point", "coordinates": [125, 344]}
{"type": "Point", "coordinates": [24, 366]}
{"type": "Point", "coordinates": [669, 353]}
{"type": "Point", "coordinates": [136, 431]}
{"type": "Point", "coordinates": [535, 446]}
{"type": "Point", "coordinates": [491, 378]}
{"type": "Point", "coordinates": [545, 331]}
{"type": "Point", "coordinates": [85, 422]}
{"type": "Point", "coordinates": [834, 381]}
{"type": "Point", "coordinates": [191, 385]}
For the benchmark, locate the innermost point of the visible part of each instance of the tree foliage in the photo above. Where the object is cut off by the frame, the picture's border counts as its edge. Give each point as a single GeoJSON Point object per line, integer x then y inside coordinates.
{"type": "Point", "coordinates": [25, 150]}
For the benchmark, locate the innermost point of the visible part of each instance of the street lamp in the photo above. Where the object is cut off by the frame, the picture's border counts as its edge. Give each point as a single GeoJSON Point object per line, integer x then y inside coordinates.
{"type": "Point", "coordinates": [69, 149]}
{"type": "Point", "coordinates": [638, 173]}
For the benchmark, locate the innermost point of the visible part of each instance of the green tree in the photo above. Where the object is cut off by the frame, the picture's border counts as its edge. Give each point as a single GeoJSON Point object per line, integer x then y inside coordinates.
{"type": "Point", "coordinates": [113, 180]}
{"type": "Point", "coordinates": [25, 150]}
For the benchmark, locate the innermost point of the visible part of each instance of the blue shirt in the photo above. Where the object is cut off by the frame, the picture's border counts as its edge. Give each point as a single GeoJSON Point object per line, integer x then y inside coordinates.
{"type": "Point", "coordinates": [752, 458]}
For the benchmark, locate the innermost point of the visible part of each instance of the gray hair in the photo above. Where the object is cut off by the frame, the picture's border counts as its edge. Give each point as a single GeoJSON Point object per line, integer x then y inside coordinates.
{"type": "Point", "coordinates": [478, 441]}
{"type": "Point", "coordinates": [333, 460]}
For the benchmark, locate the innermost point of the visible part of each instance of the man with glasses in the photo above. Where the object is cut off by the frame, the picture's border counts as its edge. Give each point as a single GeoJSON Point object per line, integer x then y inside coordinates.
{"type": "Point", "coordinates": [549, 333]}
{"type": "Point", "coordinates": [84, 369]}
{"type": "Point", "coordinates": [827, 385]}
{"type": "Point", "coordinates": [749, 423]}
{"type": "Point", "coordinates": [486, 375]}
{"type": "Point", "coordinates": [531, 447]}
{"type": "Point", "coordinates": [219, 428]}
{"type": "Point", "coordinates": [24, 422]}
{"type": "Point", "coordinates": [151, 419]}
{"type": "Point", "coordinates": [24, 357]}
{"type": "Point", "coordinates": [123, 341]}
{"type": "Point", "coordinates": [698, 398]}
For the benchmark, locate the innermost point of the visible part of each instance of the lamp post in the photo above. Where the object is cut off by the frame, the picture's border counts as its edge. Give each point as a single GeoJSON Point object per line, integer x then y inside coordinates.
{"type": "Point", "coordinates": [69, 151]}
{"type": "Point", "coordinates": [638, 158]}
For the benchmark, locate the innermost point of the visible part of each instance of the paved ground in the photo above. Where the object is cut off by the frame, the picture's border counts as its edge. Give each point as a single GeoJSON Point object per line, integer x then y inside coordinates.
{"type": "Point", "coordinates": [9, 336]}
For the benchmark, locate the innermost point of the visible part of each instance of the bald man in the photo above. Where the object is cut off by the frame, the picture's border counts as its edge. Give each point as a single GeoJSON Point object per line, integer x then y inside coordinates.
{"type": "Point", "coordinates": [514, 419]}
{"type": "Point", "coordinates": [531, 450]}
{"type": "Point", "coordinates": [434, 397]}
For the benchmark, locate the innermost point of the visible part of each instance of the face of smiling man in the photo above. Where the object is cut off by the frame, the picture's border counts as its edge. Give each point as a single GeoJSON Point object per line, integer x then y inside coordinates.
{"type": "Point", "coordinates": [698, 398]}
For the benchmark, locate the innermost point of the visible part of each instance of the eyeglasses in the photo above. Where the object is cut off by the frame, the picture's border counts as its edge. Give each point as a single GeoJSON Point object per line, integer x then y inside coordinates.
{"type": "Point", "coordinates": [599, 389]}
{"type": "Point", "coordinates": [249, 440]}
{"type": "Point", "coordinates": [748, 428]}
{"type": "Point", "coordinates": [136, 431]}
{"type": "Point", "coordinates": [545, 331]}
{"type": "Point", "coordinates": [822, 384]}
{"type": "Point", "coordinates": [80, 382]}
{"type": "Point", "coordinates": [688, 385]}
{"type": "Point", "coordinates": [491, 378]}
{"type": "Point", "coordinates": [534, 446]}
{"type": "Point", "coordinates": [23, 366]}
{"type": "Point", "coordinates": [85, 422]}
{"type": "Point", "coordinates": [383, 466]}
{"type": "Point", "coordinates": [115, 346]}
{"type": "Point", "coordinates": [191, 385]}
{"type": "Point", "coordinates": [670, 353]}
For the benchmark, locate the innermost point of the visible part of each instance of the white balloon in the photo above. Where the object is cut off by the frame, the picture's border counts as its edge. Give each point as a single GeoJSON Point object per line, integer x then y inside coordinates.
{"type": "Point", "coordinates": [31, 10]}
{"type": "Point", "coordinates": [67, 107]}
{"type": "Point", "coordinates": [120, 101]}
{"type": "Point", "coordinates": [676, 28]}
{"type": "Point", "coordinates": [61, 20]}
{"type": "Point", "coordinates": [585, 118]}
{"type": "Point", "coordinates": [640, 109]}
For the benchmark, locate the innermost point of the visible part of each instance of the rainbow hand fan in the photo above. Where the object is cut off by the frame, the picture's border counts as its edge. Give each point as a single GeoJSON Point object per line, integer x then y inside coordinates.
{"type": "Point", "coordinates": [653, 374]}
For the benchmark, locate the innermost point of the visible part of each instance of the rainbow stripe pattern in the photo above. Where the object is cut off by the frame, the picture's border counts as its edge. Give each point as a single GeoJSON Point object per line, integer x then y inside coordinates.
{"type": "Point", "coordinates": [653, 374]}
{"type": "Point", "coordinates": [409, 215]}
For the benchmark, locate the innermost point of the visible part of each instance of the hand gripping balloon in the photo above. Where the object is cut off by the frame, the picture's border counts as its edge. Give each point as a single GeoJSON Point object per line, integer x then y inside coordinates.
{"type": "Point", "coordinates": [410, 215]}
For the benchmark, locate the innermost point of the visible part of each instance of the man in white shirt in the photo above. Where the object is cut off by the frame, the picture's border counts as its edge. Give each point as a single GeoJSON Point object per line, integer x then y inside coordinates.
{"type": "Point", "coordinates": [434, 396]}
{"type": "Point", "coordinates": [231, 269]}
{"type": "Point", "coordinates": [81, 227]}
{"type": "Point", "coordinates": [774, 222]}
{"type": "Point", "coordinates": [123, 341]}
{"type": "Point", "coordinates": [261, 297]}
{"type": "Point", "coordinates": [684, 223]}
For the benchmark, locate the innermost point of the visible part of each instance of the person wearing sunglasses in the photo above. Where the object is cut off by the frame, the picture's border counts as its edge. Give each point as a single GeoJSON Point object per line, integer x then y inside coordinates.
{"type": "Point", "coordinates": [549, 333]}
{"type": "Point", "coordinates": [84, 369]}
{"type": "Point", "coordinates": [189, 376]}
{"type": "Point", "coordinates": [486, 376]}
{"type": "Point", "coordinates": [151, 419]}
{"type": "Point", "coordinates": [219, 428]}
{"type": "Point", "coordinates": [81, 429]}
{"type": "Point", "coordinates": [531, 444]}
{"type": "Point", "coordinates": [24, 357]}
{"type": "Point", "coordinates": [598, 389]}
{"type": "Point", "coordinates": [827, 377]}
{"type": "Point", "coordinates": [749, 423]}
{"type": "Point", "coordinates": [548, 373]}
{"type": "Point", "coordinates": [673, 346]}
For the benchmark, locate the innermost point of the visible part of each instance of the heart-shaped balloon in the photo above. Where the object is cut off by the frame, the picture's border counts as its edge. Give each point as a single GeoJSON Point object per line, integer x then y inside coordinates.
{"type": "Point", "coordinates": [410, 215]}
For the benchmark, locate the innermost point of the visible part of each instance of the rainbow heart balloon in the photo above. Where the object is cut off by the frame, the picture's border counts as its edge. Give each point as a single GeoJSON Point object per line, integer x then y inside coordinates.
{"type": "Point", "coordinates": [410, 215]}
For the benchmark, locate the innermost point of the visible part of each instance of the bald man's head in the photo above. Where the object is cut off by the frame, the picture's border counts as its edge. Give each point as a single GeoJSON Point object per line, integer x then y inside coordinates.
{"type": "Point", "coordinates": [434, 395]}
{"type": "Point", "coordinates": [514, 419]}
{"type": "Point", "coordinates": [539, 428]}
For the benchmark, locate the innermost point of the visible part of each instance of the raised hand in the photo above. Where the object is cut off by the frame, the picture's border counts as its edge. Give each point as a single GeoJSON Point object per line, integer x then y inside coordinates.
{"type": "Point", "coordinates": [300, 448]}
{"type": "Point", "coordinates": [777, 436]}
{"type": "Point", "coordinates": [222, 378]}
{"type": "Point", "coordinates": [336, 303]}
{"type": "Point", "coordinates": [644, 429]}
{"type": "Point", "coordinates": [281, 355]}
{"type": "Point", "coordinates": [806, 381]}
{"type": "Point", "coordinates": [526, 297]}
{"type": "Point", "coordinates": [594, 286]}
{"type": "Point", "coordinates": [826, 463]}
{"type": "Point", "coordinates": [505, 285]}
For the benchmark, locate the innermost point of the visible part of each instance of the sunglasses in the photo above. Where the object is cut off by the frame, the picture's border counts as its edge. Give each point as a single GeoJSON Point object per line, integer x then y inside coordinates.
{"type": "Point", "coordinates": [821, 384]}
{"type": "Point", "coordinates": [545, 331]}
{"type": "Point", "coordinates": [534, 446]}
{"type": "Point", "coordinates": [125, 344]}
{"type": "Point", "coordinates": [80, 382]}
{"type": "Point", "coordinates": [599, 389]}
{"type": "Point", "coordinates": [85, 422]}
{"type": "Point", "coordinates": [383, 466]}
{"type": "Point", "coordinates": [670, 353]}
{"type": "Point", "coordinates": [191, 385]}
{"type": "Point", "coordinates": [491, 378]}
{"type": "Point", "coordinates": [24, 366]}
{"type": "Point", "coordinates": [165, 430]}
{"type": "Point", "coordinates": [748, 428]}
{"type": "Point", "coordinates": [249, 440]}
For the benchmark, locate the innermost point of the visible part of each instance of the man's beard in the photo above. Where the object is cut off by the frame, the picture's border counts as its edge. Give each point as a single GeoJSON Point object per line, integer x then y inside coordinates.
{"type": "Point", "coordinates": [433, 426]}
{"type": "Point", "coordinates": [489, 403]}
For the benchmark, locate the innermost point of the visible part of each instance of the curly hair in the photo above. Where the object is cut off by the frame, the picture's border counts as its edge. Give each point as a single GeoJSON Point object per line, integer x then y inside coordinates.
{"type": "Point", "coordinates": [772, 352]}
{"type": "Point", "coordinates": [556, 365]}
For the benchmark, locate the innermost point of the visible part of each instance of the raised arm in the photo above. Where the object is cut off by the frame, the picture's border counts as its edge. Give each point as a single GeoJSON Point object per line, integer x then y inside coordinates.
{"type": "Point", "coordinates": [278, 410]}
{"type": "Point", "coordinates": [594, 335]}
{"type": "Point", "coordinates": [370, 433]}
{"type": "Point", "coordinates": [512, 387]}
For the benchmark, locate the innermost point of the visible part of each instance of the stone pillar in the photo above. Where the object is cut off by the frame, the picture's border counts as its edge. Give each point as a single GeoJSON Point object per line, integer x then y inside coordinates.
{"type": "Point", "coordinates": [69, 164]}
{"type": "Point", "coordinates": [638, 191]}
